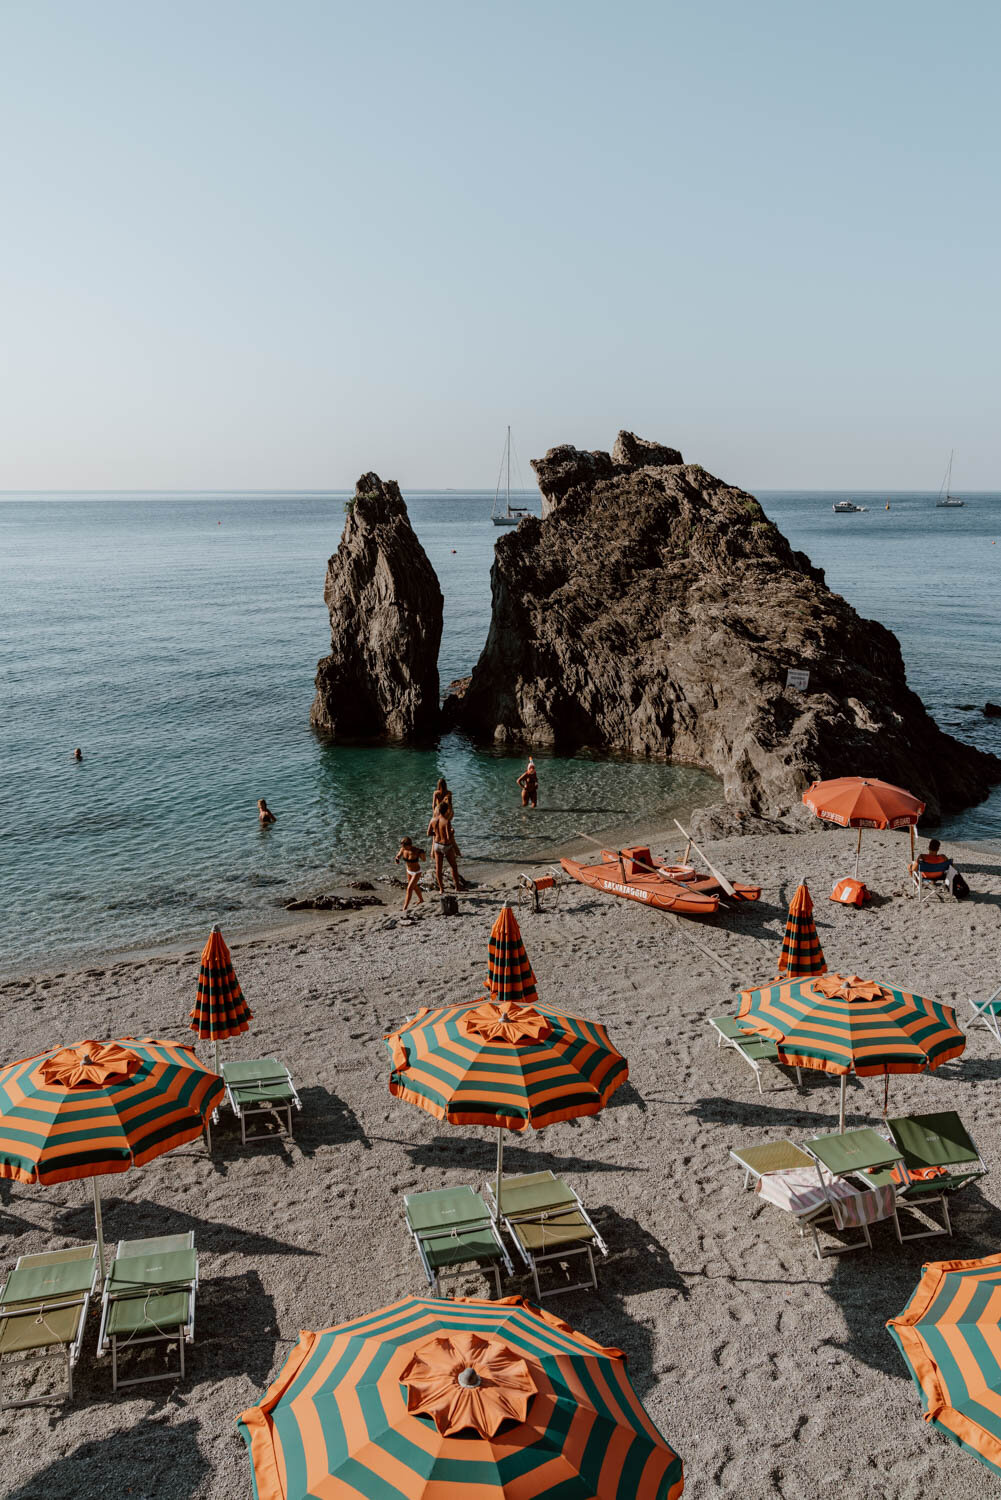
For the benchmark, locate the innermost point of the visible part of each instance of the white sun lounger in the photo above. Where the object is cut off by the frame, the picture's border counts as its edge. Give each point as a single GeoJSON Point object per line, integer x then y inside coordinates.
{"type": "Point", "coordinates": [751, 1047]}
{"type": "Point", "coordinates": [988, 1013]}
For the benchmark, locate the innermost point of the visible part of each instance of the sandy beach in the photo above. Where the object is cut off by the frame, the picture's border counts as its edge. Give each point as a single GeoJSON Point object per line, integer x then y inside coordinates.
{"type": "Point", "coordinates": [769, 1371]}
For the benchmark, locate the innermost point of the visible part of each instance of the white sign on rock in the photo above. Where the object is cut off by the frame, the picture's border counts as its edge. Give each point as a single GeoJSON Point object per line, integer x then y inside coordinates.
{"type": "Point", "coordinates": [797, 677]}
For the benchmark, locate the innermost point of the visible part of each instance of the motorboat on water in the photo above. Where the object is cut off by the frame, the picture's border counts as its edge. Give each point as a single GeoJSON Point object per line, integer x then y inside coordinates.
{"type": "Point", "coordinates": [847, 507]}
{"type": "Point", "coordinates": [635, 875]}
{"type": "Point", "coordinates": [946, 500]}
{"type": "Point", "coordinates": [507, 514]}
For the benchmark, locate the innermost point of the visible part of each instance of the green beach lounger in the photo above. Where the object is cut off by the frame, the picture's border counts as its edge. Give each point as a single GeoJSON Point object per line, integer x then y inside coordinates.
{"type": "Point", "coordinates": [149, 1297]}
{"type": "Point", "coordinates": [547, 1221]}
{"type": "Point", "coordinates": [261, 1087]}
{"type": "Point", "coordinates": [753, 1048]}
{"type": "Point", "coordinates": [43, 1310]}
{"type": "Point", "coordinates": [927, 1142]}
{"type": "Point", "coordinates": [452, 1228]}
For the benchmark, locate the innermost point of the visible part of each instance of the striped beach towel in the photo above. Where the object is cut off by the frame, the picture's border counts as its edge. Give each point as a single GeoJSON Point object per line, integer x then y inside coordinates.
{"type": "Point", "coordinates": [798, 1190]}
{"type": "Point", "coordinates": [866, 1207]}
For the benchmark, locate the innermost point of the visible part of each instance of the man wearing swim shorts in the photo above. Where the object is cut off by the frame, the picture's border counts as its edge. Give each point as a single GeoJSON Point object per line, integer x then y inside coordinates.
{"type": "Point", "coordinates": [444, 847]}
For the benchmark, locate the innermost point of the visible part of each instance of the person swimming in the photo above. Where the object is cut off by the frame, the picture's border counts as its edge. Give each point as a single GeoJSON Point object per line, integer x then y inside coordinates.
{"type": "Point", "coordinates": [78, 753]}
{"type": "Point", "coordinates": [529, 783]}
{"type": "Point", "coordinates": [411, 857]}
{"type": "Point", "coordinates": [264, 813]}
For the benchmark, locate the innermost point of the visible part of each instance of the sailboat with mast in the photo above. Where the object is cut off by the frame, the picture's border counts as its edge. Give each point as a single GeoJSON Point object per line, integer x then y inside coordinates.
{"type": "Point", "coordinates": [506, 514]}
{"type": "Point", "coordinates": [947, 501]}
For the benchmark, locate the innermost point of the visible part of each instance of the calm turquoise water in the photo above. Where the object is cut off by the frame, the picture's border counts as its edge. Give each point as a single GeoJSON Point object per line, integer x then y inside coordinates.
{"type": "Point", "coordinates": [175, 640]}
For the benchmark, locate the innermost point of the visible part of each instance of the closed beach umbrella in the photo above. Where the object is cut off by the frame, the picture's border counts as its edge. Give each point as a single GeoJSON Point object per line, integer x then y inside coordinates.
{"type": "Point", "coordinates": [98, 1107]}
{"type": "Point", "coordinates": [858, 802]}
{"type": "Point", "coordinates": [220, 1009]}
{"type": "Point", "coordinates": [850, 1025]}
{"type": "Point", "coordinates": [510, 1066]}
{"type": "Point", "coordinates": [801, 951]}
{"type": "Point", "coordinates": [465, 1400]}
{"type": "Point", "coordinates": [950, 1336]}
{"type": "Point", "coordinates": [509, 973]}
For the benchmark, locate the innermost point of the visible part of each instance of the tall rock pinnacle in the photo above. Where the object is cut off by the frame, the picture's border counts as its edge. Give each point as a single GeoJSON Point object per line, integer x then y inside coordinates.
{"type": "Point", "coordinates": [381, 677]}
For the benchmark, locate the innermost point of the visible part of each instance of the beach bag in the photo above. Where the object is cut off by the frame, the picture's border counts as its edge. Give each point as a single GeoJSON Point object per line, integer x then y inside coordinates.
{"type": "Point", "coordinates": [960, 889]}
{"type": "Point", "coordinates": [850, 892]}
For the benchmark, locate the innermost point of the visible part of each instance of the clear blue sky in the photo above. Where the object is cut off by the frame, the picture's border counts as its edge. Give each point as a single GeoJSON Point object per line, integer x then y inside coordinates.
{"type": "Point", "coordinates": [275, 244]}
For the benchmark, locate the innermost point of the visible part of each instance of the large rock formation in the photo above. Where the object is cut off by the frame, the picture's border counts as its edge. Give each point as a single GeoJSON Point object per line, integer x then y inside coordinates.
{"type": "Point", "coordinates": [655, 610]}
{"type": "Point", "coordinates": [381, 677]}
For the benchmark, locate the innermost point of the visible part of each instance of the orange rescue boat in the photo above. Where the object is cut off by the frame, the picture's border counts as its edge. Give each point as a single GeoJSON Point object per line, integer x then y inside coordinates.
{"type": "Point", "coordinates": [634, 876]}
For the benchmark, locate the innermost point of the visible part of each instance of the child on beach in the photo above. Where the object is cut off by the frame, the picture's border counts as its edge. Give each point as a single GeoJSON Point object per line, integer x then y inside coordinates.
{"type": "Point", "coordinates": [411, 857]}
{"type": "Point", "coordinates": [264, 813]}
{"type": "Point", "coordinates": [529, 783]}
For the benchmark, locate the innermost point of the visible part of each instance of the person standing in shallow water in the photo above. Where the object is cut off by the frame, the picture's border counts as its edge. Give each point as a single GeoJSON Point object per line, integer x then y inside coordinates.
{"type": "Point", "coordinates": [529, 783]}
{"type": "Point", "coordinates": [442, 797]}
{"type": "Point", "coordinates": [264, 813]}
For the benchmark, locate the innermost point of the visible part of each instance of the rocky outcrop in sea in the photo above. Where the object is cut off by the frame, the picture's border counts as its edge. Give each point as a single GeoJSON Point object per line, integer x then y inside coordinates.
{"type": "Point", "coordinates": [655, 610]}
{"type": "Point", "coordinates": [381, 677]}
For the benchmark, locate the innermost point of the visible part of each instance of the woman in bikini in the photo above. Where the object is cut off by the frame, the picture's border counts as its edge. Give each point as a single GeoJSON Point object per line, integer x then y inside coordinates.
{"type": "Point", "coordinates": [529, 783]}
{"type": "Point", "coordinates": [411, 857]}
{"type": "Point", "coordinates": [442, 797]}
{"type": "Point", "coordinates": [264, 813]}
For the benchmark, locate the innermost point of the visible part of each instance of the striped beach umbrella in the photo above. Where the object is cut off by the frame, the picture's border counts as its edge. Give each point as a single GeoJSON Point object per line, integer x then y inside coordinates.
{"type": "Point", "coordinates": [801, 951]}
{"type": "Point", "coordinates": [509, 973]}
{"type": "Point", "coordinates": [851, 1025]}
{"type": "Point", "coordinates": [950, 1336]}
{"type": "Point", "coordinates": [98, 1107]}
{"type": "Point", "coordinates": [220, 1010]}
{"type": "Point", "coordinates": [510, 1066]}
{"type": "Point", "coordinates": [861, 802]}
{"type": "Point", "coordinates": [464, 1400]}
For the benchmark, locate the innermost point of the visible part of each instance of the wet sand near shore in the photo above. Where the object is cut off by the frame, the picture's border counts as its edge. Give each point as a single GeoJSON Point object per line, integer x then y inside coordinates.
{"type": "Point", "coordinates": [769, 1371]}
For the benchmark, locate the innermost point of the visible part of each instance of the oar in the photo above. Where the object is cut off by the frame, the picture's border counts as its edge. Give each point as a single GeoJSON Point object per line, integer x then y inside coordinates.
{"type": "Point", "coordinates": [712, 869]}
{"type": "Point", "coordinates": [654, 869]}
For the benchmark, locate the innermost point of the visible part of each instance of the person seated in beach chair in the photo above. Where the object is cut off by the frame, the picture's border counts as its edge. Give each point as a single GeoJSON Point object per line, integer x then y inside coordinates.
{"type": "Point", "coordinates": [750, 1046]}
{"type": "Point", "coordinates": [547, 1221]}
{"type": "Point", "coordinates": [149, 1297]}
{"type": "Point", "coordinates": [262, 1086]}
{"type": "Point", "coordinates": [933, 868]}
{"type": "Point", "coordinates": [43, 1310]}
{"type": "Point", "coordinates": [452, 1229]}
{"type": "Point", "coordinates": [939, 1159]}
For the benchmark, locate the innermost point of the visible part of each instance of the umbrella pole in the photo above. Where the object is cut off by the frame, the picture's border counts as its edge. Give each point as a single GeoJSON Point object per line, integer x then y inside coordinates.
{"type": "Point", "coordinates": [912, 844]}
{"type": "Point", "coordinates": [217, 1054]}
{"type": "Point", "coordinates": [858, 849]}
{"type": "Point", "coordinates": [500, 1165]}
{"type": "Point", "coordinates": [100, 1228]}
{"type": "Point", "coordinates": [844, 1093]}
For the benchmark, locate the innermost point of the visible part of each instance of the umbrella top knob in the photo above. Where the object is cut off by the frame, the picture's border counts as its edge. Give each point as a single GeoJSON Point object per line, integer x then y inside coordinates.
{"type": "Point", "coordinates": [468, 1377]}
{"type": "Point", "coordinates": [215, 927]}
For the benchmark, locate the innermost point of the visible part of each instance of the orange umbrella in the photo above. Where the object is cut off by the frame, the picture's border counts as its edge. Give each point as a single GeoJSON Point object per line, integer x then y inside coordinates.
{"type": "Point", "coordinates": [429, 1399]}
{"type": "Point", "coordinates": [801, 951]}
{"type": "Point", "coordinates": [220, 1009]}
{"type": "Point", "coordinates": [509, 973]}
{"type": "Point", "coordinates": [858, 802]}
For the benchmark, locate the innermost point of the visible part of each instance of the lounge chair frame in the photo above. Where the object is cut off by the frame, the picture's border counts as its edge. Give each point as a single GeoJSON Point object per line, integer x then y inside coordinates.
{"type": "Point", "coordinates": [437, 1274]}
{"type": "Point", "coordinates": [984, 1011]}
{"type": "Point", "coordinates": [279, 1075]}
{"type": "Point", "coordinates": [183, 1333]}
{"type": "Point", "coordinates": [750, 1047]}
{"type": "Point", "coordinates": [534, 1258]}
{"type": "Point", "coordinates": [36, 1310]}
{"type": "Point", "coordinates": [816, 1217]}
{"type": "Point", "coordinates": [917, 1195]}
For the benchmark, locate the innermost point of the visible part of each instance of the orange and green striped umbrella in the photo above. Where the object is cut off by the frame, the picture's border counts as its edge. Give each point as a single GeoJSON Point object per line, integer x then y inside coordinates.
{"type": "Point", "coordinates": [851, 1025]}
{"type": "Point", "coordinates": [801, 951]}
{"type": "Point", "coordinates": [97, 1107]}
{"type": "Point", "coordinates": [509, 973]}
{"type": "Point", "coordinates": [466, 1400]}
{"type": "Point", "coordinates": [220, 1009]}
{"type": "Point", "coordinates": [950, 1336]}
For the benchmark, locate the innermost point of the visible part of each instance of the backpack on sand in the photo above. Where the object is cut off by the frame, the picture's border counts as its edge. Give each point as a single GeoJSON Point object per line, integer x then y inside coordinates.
{"type": "Point", "coordinates": [850, 892]}
{"type": "Point", "coordinates": [960, 889]}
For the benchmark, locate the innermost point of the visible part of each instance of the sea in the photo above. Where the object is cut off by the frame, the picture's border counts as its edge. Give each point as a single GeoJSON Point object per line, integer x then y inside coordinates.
{"type": "Point", "coordinates": [174, 639]}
